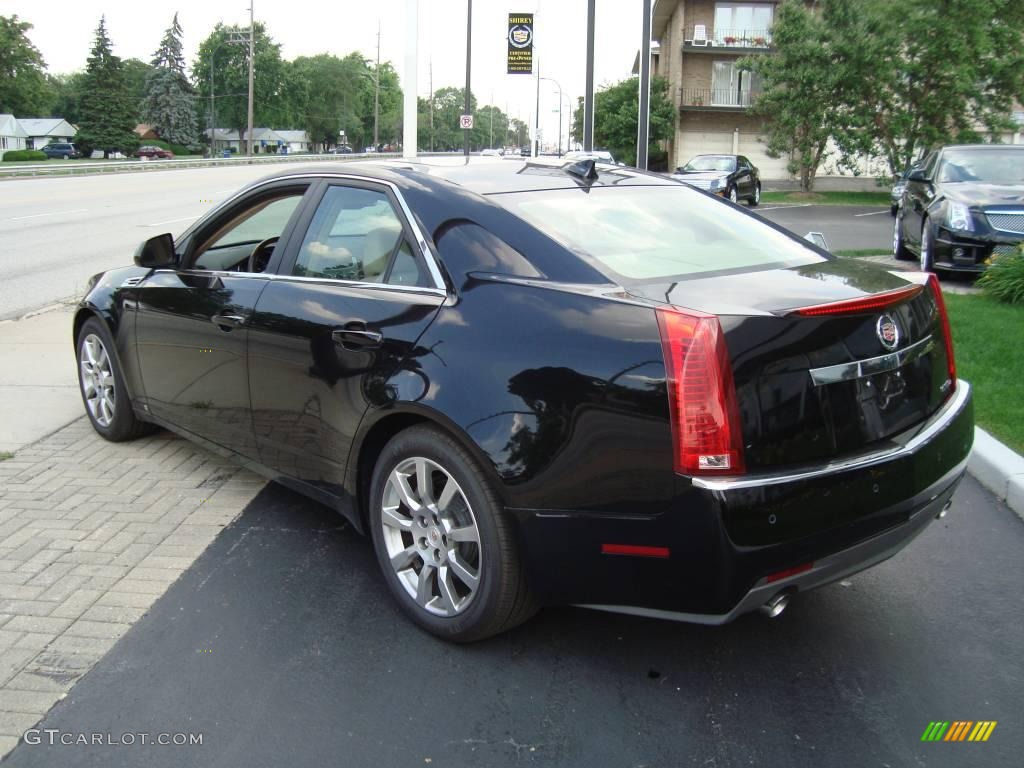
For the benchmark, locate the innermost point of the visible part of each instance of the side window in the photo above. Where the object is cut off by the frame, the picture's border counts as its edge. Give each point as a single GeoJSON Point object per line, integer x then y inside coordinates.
{"type": "Point", "coordinates": [233, 239]}
{"type": "Point", "coordinates": [356, 235]}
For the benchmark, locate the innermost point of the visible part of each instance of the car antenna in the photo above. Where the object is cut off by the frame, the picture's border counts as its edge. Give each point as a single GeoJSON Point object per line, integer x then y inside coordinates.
{"type": "Point", "coordinates": [584, 169]}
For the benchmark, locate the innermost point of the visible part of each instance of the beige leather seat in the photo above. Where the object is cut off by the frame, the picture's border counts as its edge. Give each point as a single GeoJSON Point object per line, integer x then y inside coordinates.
{"type": "Point", "coordinates": [377, 248]}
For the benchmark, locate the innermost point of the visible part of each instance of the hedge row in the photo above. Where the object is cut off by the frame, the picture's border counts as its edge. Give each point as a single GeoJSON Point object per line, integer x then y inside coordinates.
{"type": "Point", "coordinates": [25, 154]}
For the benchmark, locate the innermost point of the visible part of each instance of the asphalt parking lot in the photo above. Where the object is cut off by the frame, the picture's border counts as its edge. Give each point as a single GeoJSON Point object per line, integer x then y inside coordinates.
{"type": "Point", "coordinates": [281, 646]}
{"type": "Point", "coordinates": [846, 227]}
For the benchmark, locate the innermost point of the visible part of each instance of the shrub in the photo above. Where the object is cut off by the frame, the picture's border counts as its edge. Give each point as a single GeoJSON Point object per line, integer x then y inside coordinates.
{"type": "Point", "coordinates": [177, 149]}
{"type": "Point", "coordinates": [1004, 280]}
{"type": "Point", "coordinates": [25, 154]}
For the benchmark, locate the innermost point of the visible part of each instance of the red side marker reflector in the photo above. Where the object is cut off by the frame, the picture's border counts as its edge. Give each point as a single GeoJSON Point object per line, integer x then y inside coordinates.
{"type": "Point", "coordinates": [634, 549]}
{"type": "Point", "coordinates": [864, 304]}
{"type": "Point", "coordinates": [789, 572]}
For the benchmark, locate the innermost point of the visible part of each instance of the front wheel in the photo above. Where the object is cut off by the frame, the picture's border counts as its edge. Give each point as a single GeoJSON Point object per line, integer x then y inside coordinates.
{"type": "Point", "coordinates": [443, 541]}
{"type": "Point", "coordinates": [756, 199]}
{"type": "Point", "coordinates": [733, 197]}
{"type": "Point", "coordinates": [102, 385]}
{"type": "Point", "coordinates": [899, 249]}
{"type": "Point", "coordinates": [927, 257]}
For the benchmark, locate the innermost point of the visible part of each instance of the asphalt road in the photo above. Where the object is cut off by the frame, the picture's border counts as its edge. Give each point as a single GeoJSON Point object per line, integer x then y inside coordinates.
{"type": "Point", "coordinates": [55, 233]}
{"type": "Point", "coordinates": [281, 646]}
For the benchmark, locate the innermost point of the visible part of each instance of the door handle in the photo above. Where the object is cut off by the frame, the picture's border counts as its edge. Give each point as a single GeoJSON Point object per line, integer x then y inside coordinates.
{"type": "Point", "coordinates": [361, 338]}
{"type": "Point", "coordinates": [227, 323]}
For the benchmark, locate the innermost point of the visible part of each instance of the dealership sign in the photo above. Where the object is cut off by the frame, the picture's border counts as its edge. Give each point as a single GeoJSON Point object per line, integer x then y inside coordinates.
{"type": "Point", "coordinates": [520, 43]}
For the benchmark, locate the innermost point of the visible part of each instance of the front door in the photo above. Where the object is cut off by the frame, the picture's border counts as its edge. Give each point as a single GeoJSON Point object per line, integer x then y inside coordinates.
{"type": "Point", "coordinates": [191, 331]}
{"type": "Point", "coordinates": [346, 309]}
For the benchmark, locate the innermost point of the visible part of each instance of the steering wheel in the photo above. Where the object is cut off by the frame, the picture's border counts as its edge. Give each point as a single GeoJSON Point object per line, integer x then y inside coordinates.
{"type": "Point", "coordinates": [260, 256]}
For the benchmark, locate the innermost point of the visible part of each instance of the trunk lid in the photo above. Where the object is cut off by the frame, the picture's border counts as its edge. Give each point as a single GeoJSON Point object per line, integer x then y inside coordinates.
{"type": "Point", "coordinates": [813, 388]}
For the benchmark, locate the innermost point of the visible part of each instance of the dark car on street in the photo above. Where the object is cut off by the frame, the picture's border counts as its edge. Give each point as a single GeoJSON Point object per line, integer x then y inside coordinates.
{"type": "Point", "coordinates": [543, 383]}
{"type": "Point", "coordinates": [731, 176]}
{"type": "Point", "coordinates": [154, 153]}
{"type": "Point", "coordinates": [63, 150]}
{"type": "Point", "coordinates": [962, 208]}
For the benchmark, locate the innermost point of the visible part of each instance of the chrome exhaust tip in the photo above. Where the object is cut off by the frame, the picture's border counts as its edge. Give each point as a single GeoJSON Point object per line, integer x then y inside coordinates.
{"type": "Point", "coordinates": [774, 607]}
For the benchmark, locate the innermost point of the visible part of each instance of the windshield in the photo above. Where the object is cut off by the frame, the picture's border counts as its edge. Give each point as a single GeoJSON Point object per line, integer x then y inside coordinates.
{"type": "Point", "coordinates": [994, 166]}
{"type": "Point", "coordinates": [645, 233]}
{"type": "Point", "coordinates": [711, 163]}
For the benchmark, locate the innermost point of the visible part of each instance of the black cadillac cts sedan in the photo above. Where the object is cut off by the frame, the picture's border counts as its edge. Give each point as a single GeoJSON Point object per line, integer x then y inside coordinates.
{"type": "Point", "coordinates": [535, 384]}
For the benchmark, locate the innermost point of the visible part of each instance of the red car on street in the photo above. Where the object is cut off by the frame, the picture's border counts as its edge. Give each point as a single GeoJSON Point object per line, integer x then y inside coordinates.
{"type": "Point", "coordinates": [154, 153]}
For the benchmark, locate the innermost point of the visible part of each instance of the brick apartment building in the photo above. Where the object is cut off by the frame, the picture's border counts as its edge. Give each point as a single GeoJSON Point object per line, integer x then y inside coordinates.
{"type": "Point", "coordinates": [700, 43]}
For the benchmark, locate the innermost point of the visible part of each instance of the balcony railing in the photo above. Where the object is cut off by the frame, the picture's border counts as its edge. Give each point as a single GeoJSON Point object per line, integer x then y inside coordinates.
{"type": "Point", "coordinates": [706, 36]}
{"type": "Point", "coordinates": [711, 98]}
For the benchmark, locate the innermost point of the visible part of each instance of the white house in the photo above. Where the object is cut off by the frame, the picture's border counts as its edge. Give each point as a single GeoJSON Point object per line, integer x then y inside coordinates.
{"type": "Point", "coordinates": [296, 141]}
{"type": "Point", "coordinates": [12, 136]}
{"type": "Point", "coordinates": [41, 131]}
{"type": "Point", "coordinates": [263, 139]}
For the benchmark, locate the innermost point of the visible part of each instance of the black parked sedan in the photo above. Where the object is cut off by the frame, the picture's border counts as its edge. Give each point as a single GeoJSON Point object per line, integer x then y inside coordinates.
{"type": "Point", "coordinates": [731, 176]}
{"type": "Point", "coordinates": [540, 383]}
{"type": "Point", "coordinates": [962, 208]}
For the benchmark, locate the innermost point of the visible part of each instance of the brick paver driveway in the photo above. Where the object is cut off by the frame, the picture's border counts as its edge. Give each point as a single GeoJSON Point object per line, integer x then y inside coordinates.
{"type": "Point", "coordinates": [91, 534]}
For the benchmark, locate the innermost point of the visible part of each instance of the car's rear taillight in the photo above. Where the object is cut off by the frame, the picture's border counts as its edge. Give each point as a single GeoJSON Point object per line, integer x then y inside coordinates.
{"type": "Point", "coordinates": [947, 334]}
{"type": "Point", "coordinates": [706, 427]}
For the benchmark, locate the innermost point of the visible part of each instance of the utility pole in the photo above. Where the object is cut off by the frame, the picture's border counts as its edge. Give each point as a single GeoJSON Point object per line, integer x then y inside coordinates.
{"type": "Point", "coordinates": [588, 97]}
{"type": "Point", "coordinates": [559, 87]}
{"type": "Point", "coordinates": [490, 143]}
{"type": "Point", "coordinates": [410, 117]}
{"type": "Point", "coordinates": [536, 111]}
{"type": "Point", "coordinates": [431, 103]}
{"type": "Point", "coordinates": [252, 57]}
{"type": "Point", "coordinates": [376, 94]}
{"type": "Point", "coordinates": [644, 116]}
{"type": "Point", "coordinates": [469, 58]}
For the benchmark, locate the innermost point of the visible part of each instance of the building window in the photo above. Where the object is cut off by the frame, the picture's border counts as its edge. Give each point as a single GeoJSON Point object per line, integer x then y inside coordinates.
{"type": "Point", "coordinates": [733, 87]}
{"type": "Point", "coordinates": [742, 24]}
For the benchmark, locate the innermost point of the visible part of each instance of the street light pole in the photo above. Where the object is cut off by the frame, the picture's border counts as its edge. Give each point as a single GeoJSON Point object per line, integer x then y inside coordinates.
{"type": "Point", "coordinates": [558, 85]}
{"type": "Point", "coordinates": [252, 48]}
{"type": "Point", "coordinates": [376, 94]}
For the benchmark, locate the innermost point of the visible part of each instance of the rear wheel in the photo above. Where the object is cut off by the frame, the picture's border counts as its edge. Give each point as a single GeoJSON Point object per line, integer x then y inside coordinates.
{"type": "Point", "coordinates": [442, 539]}
{"type": "Point", "coordinates": [756, 198]}
{"type": "Point", "coordinates": [102, 385]}
{"type": "Point", "coordinates": [899, 249]}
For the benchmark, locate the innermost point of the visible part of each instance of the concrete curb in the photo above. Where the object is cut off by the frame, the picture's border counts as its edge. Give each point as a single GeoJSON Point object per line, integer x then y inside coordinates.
{"type": "Point", "coordinates": [999, 469]}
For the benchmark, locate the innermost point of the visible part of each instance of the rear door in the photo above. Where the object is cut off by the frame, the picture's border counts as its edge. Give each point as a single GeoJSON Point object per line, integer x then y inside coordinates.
{"type": "Point", "coordinates": [192, 332]}
{"type": "Point", "coordinates": [354, 293]}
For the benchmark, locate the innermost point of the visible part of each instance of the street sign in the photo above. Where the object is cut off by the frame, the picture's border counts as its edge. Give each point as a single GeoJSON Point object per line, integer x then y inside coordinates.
{"type": "Point", "coordinates": [520, 43]}
{"type": "Point", "coordinates": [466, 122]}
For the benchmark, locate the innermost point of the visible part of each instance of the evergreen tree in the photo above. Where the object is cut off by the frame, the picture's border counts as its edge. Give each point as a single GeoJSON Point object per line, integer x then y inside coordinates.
{"type": "Point", "coordinates": [169, 105]}
{"type": "Point", "coordinates": [107, 121]}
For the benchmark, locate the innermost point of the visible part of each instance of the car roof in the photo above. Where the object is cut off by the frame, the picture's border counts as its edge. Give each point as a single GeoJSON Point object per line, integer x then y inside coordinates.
{"type": "Point", "coordinates": [485, 175]}
{"type": "Point", "coordinates": [983, 147]}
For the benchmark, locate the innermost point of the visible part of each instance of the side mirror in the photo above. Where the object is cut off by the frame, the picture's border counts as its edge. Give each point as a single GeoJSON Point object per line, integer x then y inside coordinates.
{"type": "Point", "coordinates": [818, 239]}
{"type": "Point", "coordinates": [917, 175]}
{"type": "Point", "coordinates": [156, 252]}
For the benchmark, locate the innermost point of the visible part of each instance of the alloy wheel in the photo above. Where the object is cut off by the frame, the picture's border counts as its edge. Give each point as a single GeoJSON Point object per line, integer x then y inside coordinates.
{"type": "Point", "coordinates": [431, 536]}
{"type": "Point", "coordinates": [733, 197]}
{"type": "Point", "coordinates": [97, 380]}
{"type": "Point", "coordinates": [926, 248]}
{"type": "Point", "coordinates": [757, 194]}
{"type": "Point", "coordinates": [896, 237]}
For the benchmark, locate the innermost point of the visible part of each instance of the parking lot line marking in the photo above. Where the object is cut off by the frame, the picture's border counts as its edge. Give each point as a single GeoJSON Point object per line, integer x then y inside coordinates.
{"type": "Point", "coordinates": [51, 213]}
{"type": "Point", "coordinates": [779, 207]}
{"type": "Point", "coordinates": [172, 221]}
{"type": "Point", "coordinates": [873, 213]}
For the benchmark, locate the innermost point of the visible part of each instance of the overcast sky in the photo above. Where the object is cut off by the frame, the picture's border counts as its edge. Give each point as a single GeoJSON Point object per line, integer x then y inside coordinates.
{"type": "Point", "coordinates": [63, 32]}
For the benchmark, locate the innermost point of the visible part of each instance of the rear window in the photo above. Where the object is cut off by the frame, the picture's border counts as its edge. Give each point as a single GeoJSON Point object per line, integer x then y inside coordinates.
{"type": "Point", "coordinates": [646, 233]}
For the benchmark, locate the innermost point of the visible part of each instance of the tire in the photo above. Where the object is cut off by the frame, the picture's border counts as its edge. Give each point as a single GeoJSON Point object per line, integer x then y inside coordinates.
{"type": "Point", "coordinates": [445, 601]}
{"type": "Point", "coordinates": [754, 201]}
{"type": "Point", "coordinates": [899, 248]}
{"type": "Point", "coordinates": [102, 386]}
{"type": "Point", "coordinates": [733, 197]}
{"type": "Point", "coordinates": [927, 260]}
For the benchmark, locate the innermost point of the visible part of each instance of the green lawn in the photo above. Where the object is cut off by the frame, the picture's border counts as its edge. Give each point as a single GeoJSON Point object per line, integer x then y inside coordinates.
{"type": "Point", "coordinates": [859, 253]}
{"type": "Point", "coordinates": [990, 355]}
{"type": "Point", "coordinates": [5, 455]}
{"type": "Point", "coordinates": [828, 198]}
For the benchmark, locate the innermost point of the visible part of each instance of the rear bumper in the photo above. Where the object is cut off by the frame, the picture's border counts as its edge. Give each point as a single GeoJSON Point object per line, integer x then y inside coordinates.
{"type": "Point", "coordinates": [726, 536]}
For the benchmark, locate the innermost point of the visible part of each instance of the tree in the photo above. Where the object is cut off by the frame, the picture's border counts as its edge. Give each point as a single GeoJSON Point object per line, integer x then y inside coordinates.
{"type": "Point", "coordinates": [271, 101]}
{"type": "Point", "coordinates": [949, 72]}
{"type": "Point", "coordinates": [616, 114]}
{"type": "Point", "coordinates": [24, 89]}
{"type": "Point", "coordinates": [169, 104]}
{"type": "Point", "coordinates": [107, 119]}
{"type": "Point", "coordinates": [800, 79]}
{"type": "Point", "coordinates": [67, 96]}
